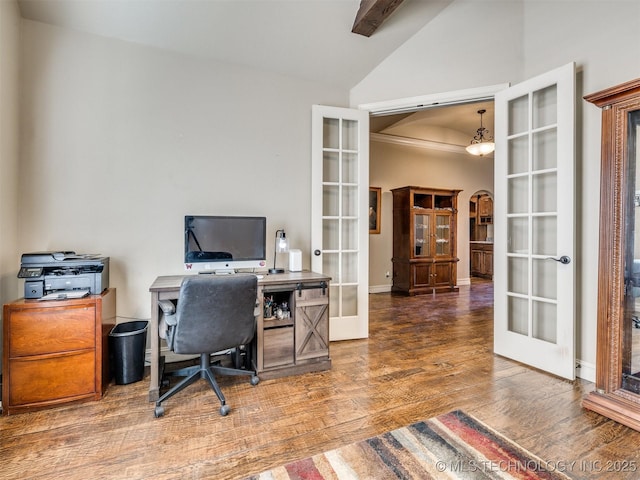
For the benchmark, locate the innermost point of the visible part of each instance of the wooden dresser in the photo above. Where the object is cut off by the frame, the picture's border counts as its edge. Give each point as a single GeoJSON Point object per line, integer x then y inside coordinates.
{"type": "Point", "coordinates": [55, 352]}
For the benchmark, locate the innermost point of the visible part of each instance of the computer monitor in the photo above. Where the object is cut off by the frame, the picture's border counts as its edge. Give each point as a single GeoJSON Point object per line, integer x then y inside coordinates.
{"type": "Point", "coordinates": [224, 244]}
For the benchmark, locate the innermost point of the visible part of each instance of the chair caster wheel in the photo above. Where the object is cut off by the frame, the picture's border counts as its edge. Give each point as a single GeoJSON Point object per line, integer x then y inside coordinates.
{"type": "Point", "coordinates": [158, 411]}
{"type": "Point", "coordinates": [255, 380]}
{"type": "Point", "coordinates": [224, 410]}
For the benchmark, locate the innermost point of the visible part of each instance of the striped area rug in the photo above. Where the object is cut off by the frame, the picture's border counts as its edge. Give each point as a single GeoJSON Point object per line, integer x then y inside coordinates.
{"type": "Point", "coordinates": [454, 446]}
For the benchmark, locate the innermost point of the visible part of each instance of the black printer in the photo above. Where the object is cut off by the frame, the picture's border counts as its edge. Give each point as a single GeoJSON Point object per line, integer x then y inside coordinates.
{"type": "Point", "coordinates": [51, 272]}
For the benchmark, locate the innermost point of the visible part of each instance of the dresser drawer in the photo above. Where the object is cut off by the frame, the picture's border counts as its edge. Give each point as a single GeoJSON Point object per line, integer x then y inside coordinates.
{"type": "Point", "coordinates": [51, 330]}
{"type": "Point", "coordinates": [52, 378]}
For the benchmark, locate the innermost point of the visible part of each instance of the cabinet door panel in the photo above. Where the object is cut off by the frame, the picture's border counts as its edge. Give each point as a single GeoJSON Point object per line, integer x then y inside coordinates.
{"type": "Point", "coordinates": [488, 263]}
{"type": "Point", "coordinates": [312, 331]}
{"type": "Point", "coordinates": [54, 378]}
{"type": "Point", "coordinates": [59, 330]}
{"type": "Point", "coordinates": [278, 347]}
{"type": "Point", "coordinates": [441, 274]}
{"type": "Point", "coordinates": [422, 275]}
{"type": "Point", "coordinates": [476, 261]}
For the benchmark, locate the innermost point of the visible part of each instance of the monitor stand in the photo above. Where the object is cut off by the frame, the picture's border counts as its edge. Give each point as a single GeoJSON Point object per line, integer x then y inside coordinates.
{"type": "Point", "coordinates": [224, 271]}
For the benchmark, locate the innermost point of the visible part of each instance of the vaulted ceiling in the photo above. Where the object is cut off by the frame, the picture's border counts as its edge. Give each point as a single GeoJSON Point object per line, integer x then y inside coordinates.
{"type": "Point", "coordinates": [310, 39]}
{"type": "Point", "coordinates": [332, 41]}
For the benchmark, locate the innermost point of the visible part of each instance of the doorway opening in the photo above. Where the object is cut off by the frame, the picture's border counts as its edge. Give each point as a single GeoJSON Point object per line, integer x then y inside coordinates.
{"type": "Point", "coordinates": [425, 146]}
{"type": "Point", "coordinates": [481, 235]}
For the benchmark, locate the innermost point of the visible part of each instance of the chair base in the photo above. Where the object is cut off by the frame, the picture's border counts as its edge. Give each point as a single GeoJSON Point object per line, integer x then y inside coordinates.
{"type": "Point", "coordinates": [205, 370]}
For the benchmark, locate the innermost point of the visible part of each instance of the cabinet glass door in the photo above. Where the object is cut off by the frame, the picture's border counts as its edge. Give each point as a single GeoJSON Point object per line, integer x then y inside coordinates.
{"type": "Point", "coordinates": [443, 235]}
{"type": "Point", "coordinates": [422, 235]}
{"type": "Point", "coordinates": [631, 325]}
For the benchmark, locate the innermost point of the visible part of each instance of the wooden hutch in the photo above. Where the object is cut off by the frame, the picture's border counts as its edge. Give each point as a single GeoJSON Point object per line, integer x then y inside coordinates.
{"type": "Point", "coordinates": [424, 240]}
{"type": "Point", "coordinates": [617, 392]}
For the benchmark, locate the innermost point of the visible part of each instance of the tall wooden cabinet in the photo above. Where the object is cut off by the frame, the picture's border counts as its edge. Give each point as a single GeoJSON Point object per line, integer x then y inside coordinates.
{"type": "Point", "coordinates": [424, 240]}
{"type": "Point", "coordinates": [617, 393]}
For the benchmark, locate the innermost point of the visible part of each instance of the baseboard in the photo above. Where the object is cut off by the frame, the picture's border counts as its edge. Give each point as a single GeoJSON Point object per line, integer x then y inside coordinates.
{"type": "Point", "coordinates": [387, 288]}
{"type": "Point", "coordinates": [586, 371]}
{"type": "Point", "coordinates": [379, 288]}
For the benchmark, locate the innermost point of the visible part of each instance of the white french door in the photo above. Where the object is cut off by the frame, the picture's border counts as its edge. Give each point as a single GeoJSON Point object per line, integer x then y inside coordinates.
{"type": "Point", "coordinates": [339, 215]}
{"type": "Point", "coordinates": [534, 272]}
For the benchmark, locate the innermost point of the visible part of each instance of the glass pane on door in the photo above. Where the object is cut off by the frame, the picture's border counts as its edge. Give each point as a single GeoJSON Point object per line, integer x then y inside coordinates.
{"type": "Point", "coordinates": [340, 211]}
{"type": "Point", "coordinates": [330, 167]}
{"type": "Point", "coordinates": [544, 321]}
{"type": "Point", "coordinates": [422, 235]}
{"type": "Point", "coordinates": [545, 279]}
{"type": "Point", "coordinates": [532, 204]}
{"type": "Point", "coordinates": [545, 106]}
{"type": "Point", "coordinates": [443, 227]}
{"type": "Point", "coordinates": [545, 149]}
{"type": "Point", "coordinates": [518, 275]}
{"type": "Point", "coordinates": [545, 237]}
{"type": "Point", "coordinates": [518, 194]}
{"type": "Point", "coordinates": [518, 314]}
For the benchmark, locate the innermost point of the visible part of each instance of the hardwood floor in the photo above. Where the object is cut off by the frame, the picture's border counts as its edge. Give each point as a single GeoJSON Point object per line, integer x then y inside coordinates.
{"type": "Point", "coordinates": [425, 356]}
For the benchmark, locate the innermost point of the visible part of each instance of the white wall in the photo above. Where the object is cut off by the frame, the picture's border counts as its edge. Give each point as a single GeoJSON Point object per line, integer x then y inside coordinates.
{"type": "Point", "coordinates": [469, 45]}
{"type": "Point", "coordinates": [9, 151]}
{"type": "Point", "coordinates": [394, 166]}
{"type": "Point", "coordinates": [120, 141]}
{"type": "Point", "coordinates": [473, 44]}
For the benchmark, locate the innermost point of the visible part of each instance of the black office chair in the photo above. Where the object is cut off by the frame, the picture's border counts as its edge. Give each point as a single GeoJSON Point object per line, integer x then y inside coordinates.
{"type": "Point", "coordinates": [214, 314]}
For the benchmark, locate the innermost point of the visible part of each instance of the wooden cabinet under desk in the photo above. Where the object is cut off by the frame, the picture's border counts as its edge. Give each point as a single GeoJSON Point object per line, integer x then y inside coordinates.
{"type": "Point", "coordinates": [55, 352]}
{"type": "Point", "coordinates": [297, 342]}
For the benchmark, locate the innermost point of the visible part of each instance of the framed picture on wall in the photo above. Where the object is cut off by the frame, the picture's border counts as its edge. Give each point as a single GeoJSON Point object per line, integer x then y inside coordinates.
{"type": "Point", "coordinates": [374, 209]}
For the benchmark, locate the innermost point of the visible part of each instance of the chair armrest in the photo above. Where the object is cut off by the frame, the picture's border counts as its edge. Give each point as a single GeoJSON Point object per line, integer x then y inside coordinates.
{"type": "Point", "coordinates": [167, 307]}
{"type": "Point", "coordinates": [168, 319]}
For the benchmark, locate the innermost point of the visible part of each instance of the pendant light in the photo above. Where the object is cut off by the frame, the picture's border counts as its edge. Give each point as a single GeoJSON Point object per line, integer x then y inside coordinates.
{"type": "Point", "coordinates": [479, 144]}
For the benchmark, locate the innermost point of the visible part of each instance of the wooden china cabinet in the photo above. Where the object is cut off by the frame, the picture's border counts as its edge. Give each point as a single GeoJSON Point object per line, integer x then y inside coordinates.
{"type": "Point", "coordinates": [617, 394]}
{"type": "Point", "coordinates": [424, 240]}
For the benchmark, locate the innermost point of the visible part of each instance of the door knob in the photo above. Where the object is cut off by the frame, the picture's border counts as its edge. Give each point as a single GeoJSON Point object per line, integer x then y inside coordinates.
{"type": "Point", "coordinates": [565, 260]}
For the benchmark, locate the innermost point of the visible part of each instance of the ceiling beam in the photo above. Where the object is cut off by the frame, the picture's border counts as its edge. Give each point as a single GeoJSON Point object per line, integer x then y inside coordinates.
{"type": "Point", "coordinates": [371, 14]}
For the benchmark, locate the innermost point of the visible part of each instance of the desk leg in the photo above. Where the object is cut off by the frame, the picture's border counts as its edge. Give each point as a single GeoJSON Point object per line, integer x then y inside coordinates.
{"type": "Point", "coordinates": [154, 385]}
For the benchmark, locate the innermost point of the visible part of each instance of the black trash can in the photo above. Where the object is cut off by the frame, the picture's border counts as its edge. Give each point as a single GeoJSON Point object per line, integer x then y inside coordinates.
{"type": "Point", "coordinates": [127, 344]}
